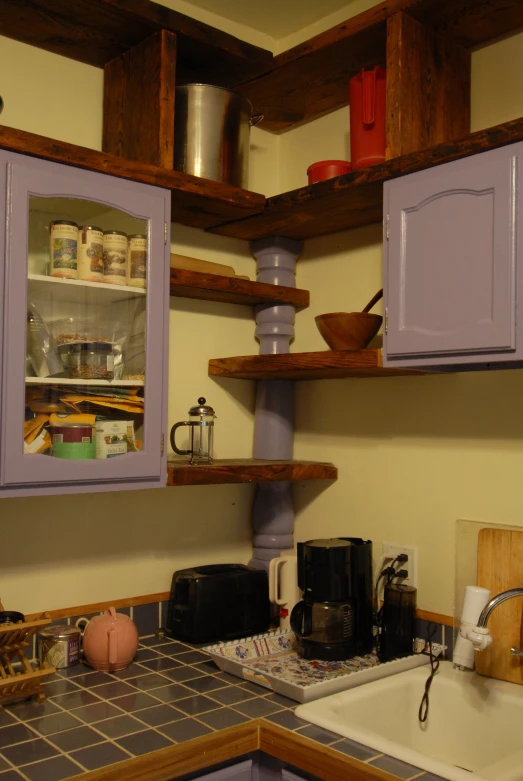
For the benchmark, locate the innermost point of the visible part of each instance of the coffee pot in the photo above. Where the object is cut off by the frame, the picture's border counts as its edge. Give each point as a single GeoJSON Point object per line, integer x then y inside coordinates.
{"type": "Point", "coordinates": [201, 423]}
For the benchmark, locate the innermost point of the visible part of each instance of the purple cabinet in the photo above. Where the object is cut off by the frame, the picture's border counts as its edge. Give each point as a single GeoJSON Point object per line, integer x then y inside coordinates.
{"type": "Point", "coordinates": [85, 312]}
{"type": "Point", "coordinates": [241, 771]}
{"type": "Point", "coordinates": [451, 258]}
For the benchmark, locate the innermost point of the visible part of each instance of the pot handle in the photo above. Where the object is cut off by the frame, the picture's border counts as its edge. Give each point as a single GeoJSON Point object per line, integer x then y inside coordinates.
{"type": "Point", "coordinates": [173, 433]}
{"type": "Point", "coordinates": [82, 624]}
{"type": "Point", "coordinates": [253, 121]}
{"type": "Point", "coordinates": [113, 645]}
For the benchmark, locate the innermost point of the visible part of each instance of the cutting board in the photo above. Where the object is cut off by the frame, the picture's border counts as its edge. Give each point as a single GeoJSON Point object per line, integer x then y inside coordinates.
{"type": "Point", "coordinates": [203, 266]}
{"type": "Point", "coordinates": [500, 567]}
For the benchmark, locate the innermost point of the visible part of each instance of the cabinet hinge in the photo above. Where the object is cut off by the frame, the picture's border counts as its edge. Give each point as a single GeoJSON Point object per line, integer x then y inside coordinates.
{"type": "Point", "coordinates": [387, 226]}
{"type": "Point", "coordinates": [386, 319]}
{"type": "Point", "coordinates": [165, 233]}
{"type": "Point", "coordinates": [163, 444]}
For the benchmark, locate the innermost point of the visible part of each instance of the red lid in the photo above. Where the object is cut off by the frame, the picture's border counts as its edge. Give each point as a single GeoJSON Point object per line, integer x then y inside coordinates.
{"type": "Point", "coordinates": [328, 163]}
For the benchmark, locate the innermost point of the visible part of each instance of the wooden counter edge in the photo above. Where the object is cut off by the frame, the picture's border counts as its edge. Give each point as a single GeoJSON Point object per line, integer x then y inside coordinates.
{"type": "Point", "coordinates": [233, 743]}
{"type": "Point", "coordinates": [194, 755]}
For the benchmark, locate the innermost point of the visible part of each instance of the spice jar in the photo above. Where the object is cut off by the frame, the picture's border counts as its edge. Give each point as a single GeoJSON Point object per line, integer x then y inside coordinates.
{"type": "Point", "coordinates": [137, 260]}
{"type": "Point", "coordinates": [90, 253]}
{"type": "Point", "coordinates": [91, 361]}
{"type": "Point", "coordinates": [63, 237]}
{"type": "Point", "coordinates": [115, 257]}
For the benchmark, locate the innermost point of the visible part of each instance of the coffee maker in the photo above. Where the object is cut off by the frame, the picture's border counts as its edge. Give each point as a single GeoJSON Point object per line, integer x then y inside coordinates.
{"type": "Point", "coordinates": [334, 619]}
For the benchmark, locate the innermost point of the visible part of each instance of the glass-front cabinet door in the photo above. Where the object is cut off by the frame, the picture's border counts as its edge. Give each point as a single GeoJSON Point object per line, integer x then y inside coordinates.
{"type": "Point", "coordinates": [85, 315]}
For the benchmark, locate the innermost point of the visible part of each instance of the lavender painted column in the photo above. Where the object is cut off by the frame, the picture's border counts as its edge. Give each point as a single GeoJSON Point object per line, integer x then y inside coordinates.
{"type": "Point", "coordinates": [273, 511]}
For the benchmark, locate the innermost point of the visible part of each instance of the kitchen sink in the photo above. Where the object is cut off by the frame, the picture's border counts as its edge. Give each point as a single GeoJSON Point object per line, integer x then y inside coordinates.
{"type": "Point", "coordinates": [474, 729]}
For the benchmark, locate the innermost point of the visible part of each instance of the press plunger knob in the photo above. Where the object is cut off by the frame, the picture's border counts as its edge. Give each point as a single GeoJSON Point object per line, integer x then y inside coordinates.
{"type": "Point", "coordinates": [201, 400]}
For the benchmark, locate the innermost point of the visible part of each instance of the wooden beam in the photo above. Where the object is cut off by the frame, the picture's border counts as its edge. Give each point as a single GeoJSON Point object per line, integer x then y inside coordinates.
{"type": "Point", "coordinates": [97, 31]}
{"type": "Point", "coordinates": [245, 470]}
{"type": "Point", "coordinates": [356, 199]}
{"type": "Point", "coordinates": [428, 87]}
{"type": "Point", "coordinates": [327, 365]}
{"type": "Point", "coordinates": [139, 89]}
{"type": "Point", "coordinates": [197, 202]}
{"type": "Point", "coordinates": [230, 290]}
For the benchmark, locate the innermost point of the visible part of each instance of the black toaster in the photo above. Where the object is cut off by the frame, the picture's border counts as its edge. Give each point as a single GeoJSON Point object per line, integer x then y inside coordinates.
{"type": "Point", "coordinates": [218, 602]}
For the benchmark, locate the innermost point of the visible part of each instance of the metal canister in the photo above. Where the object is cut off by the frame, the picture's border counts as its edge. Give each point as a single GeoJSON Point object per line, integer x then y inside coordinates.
{"type": "Point", "coordinates": [115, 257]}
{"type": "Point", "coordinates": [137, 260]}
{"type": "Point", "coordinates": [59, 645]}
{"type": "Point", "coordinates": [90, 253]}
{"type": "Point", "coordinates": [76, 441]}
{"type": "Point", "coordinates": [63, 249]}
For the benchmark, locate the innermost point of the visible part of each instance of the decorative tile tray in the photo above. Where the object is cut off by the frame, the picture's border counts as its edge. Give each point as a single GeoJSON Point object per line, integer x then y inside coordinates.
{"type": "Point", "coordinates": [271, 660]}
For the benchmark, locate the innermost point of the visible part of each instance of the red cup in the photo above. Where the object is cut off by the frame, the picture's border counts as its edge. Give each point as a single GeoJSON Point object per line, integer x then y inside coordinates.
{"type": "Point", "coordinates": [327, 169]}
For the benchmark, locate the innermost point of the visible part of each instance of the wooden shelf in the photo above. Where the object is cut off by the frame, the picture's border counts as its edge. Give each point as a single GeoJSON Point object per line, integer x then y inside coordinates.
{"type": "Point", "coordinates": [98, 31]}
{"type": "Point", "coordinates": [328, 365]}
{"type": "Point", "coordinates": [312, 78]}
{"type": "Point", "coordinates": [229, 290]}
{"type": "Point", "coordinates": [197, 202]}
{"type": "Point", "coordinates": [246, 470]}
{"type": "Point", "coordinates": [356, 199]}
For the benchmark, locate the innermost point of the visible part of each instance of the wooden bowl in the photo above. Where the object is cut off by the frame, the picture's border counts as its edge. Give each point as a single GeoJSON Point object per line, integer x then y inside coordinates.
{"type": "Point", "coordinates": [348, 330]}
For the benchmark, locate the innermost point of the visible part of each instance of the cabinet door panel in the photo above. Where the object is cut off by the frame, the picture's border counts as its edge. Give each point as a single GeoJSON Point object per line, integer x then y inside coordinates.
{"type": "Point", "coordinates": [241, 771]}
{"type": "Point", "coordinates": [36, 194]}
{"type": "Point", "coordinates": [451, 258]}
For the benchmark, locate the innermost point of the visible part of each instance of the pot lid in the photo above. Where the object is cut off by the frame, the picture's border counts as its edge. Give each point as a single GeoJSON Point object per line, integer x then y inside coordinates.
{"type": "Point", "coordinates": [202, 408]}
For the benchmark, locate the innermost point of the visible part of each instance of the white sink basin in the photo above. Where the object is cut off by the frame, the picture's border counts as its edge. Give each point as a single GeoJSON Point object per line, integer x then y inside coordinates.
{"type": "Point", "coordinates": [474, 729]}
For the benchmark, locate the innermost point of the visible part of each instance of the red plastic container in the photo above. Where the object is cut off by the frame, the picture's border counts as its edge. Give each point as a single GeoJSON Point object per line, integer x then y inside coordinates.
{"type": "Point", "coordinates": [327, 169]}
{"type": "Point", "coordinates": [367, 117]}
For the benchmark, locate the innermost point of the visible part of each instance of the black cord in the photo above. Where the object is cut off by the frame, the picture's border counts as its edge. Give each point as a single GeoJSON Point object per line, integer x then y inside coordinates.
{"type": "Point", "coordinates": [434, 666]}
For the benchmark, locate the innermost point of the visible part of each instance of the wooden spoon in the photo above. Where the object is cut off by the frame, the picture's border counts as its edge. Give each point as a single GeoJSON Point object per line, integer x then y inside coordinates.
{"type": "Point", "coordinates": [374, 300]}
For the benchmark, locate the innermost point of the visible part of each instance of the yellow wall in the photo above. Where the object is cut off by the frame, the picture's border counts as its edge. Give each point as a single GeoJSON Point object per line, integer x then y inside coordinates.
{"type": "Point", "coordinates": [64, 551]}
{"type": "Point", "coordinates": [414, 454]}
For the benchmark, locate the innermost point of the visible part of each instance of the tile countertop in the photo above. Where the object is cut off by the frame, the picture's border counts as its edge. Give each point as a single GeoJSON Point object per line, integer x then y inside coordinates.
{"type": "Point", "coordinates": [172, 697]}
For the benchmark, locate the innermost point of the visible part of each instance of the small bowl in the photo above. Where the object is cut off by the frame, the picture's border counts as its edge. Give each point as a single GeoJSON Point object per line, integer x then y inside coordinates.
{"type": "Point", "coordinates": [11, 617]}
{"type": "Point", "coordinates": [348, 330]}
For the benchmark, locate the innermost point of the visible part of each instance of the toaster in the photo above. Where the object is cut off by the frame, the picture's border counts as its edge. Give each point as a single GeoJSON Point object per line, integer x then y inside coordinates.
{"type": "Point", "coordinates": [218, 602]}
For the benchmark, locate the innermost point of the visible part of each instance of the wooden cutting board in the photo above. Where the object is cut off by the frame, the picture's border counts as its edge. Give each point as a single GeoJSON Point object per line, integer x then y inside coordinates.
{"type": "Point", "coordinates": [500, 567]}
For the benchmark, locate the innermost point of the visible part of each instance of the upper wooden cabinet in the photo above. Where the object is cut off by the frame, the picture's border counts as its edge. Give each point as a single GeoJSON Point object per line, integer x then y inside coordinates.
{"type": "Point", "coordinates": [84, 323]}
{"type": "Point", "coordinates": [452, 258]}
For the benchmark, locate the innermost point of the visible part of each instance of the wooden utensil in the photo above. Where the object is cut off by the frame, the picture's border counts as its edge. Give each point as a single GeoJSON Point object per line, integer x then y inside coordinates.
{"type": "Point", "coordinates": [500, 567]}
{"type": "Point", "coordinates": [374, 300]}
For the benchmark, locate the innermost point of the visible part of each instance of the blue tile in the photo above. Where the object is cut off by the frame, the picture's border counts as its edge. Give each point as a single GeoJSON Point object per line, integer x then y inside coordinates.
{"type": "Point", "coordinates": [396, 767]}
{"type": "Point", "coordinates": [146, 618]}
{"type": "Point", "coordinates": [98, 756]}
{"type": "Point", "coordinates": [319, 734]}
{"type": "Point", "coordinates": [356, 750]}
{"type": "Point", "coordinates": [144, 742]}
{"type": "Point", "coordinates": [164, 607]}
{"type": "Point", "coordinates": [54, 769]}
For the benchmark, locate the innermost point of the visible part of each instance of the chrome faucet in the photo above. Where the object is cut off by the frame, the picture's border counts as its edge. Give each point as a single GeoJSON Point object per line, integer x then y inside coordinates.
{"type": "Point", "coordinates": [480, 636]}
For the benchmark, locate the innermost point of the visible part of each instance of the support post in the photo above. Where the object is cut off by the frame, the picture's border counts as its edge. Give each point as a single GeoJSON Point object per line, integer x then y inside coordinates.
{"type": "Point", "coordinates": [273, 511]}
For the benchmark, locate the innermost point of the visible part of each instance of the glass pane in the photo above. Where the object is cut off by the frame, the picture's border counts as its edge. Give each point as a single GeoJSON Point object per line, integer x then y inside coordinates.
{"type": "Point", "coordinates": [85, 340]}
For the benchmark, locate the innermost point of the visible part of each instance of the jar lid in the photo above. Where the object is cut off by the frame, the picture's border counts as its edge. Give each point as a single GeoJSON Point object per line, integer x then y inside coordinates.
{"type": "Point", "coordinates": [137, 236]}
{"type": "Point", "coordinates": [90, 228]}
{"type": "Point", "coordinates": [202, 408]}
{"type": "Point", "coordinates": [115, 233]}
{"type": "Point", "coordinates": [92, 347]}
{"type": "Point", "coordinates": [60, 631]}
{"type": "Point", "coordinates": [63, 222]}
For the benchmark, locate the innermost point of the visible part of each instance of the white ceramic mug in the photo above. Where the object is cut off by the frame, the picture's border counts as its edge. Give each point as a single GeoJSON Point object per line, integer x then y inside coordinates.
{"type": "Point", "coordinates": [283, 585]}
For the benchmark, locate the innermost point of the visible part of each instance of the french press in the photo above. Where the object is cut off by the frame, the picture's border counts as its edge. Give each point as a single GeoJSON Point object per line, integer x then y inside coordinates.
{"type": "Point", "coordinates": [201, 421]}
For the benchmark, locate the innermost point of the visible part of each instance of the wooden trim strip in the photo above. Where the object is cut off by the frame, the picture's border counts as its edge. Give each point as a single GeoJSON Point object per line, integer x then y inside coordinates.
{"type": "Point", "coordinates": [163, 596]}
{"type": "Point", "coordinates": [438, 618]}
{"type": "Point", "coordinates": [99, 607]}
{"type": "Point", "coordinates": [168, 763]}
{"type": "Point", "coordinates": [319, 760]}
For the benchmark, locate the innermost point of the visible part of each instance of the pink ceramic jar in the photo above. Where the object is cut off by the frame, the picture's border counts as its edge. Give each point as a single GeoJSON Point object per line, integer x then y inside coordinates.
{"type": "Point", "coordinates": [110, 641]}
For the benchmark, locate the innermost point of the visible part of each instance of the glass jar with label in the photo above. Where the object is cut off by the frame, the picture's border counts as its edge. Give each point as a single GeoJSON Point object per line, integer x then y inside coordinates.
{"type": "Point", "coordinates": [63, 238]}
{"type": "Point", "coordinates": [90, 253]}
{"type": "Point", "coordinates": [115, 257]}
{"type": "Point", "coordinates": [137, 260]}
{"type": "Point", "coordinates": [91, 361]}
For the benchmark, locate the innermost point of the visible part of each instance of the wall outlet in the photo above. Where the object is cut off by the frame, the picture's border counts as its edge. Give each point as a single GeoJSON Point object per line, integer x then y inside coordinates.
{"type": "Point", "coordinates": [391, 550]}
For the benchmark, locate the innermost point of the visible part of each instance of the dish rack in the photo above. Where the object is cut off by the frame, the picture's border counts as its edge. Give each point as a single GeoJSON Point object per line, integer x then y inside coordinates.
{"type": "Point", "coordinates": [22, 681]}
